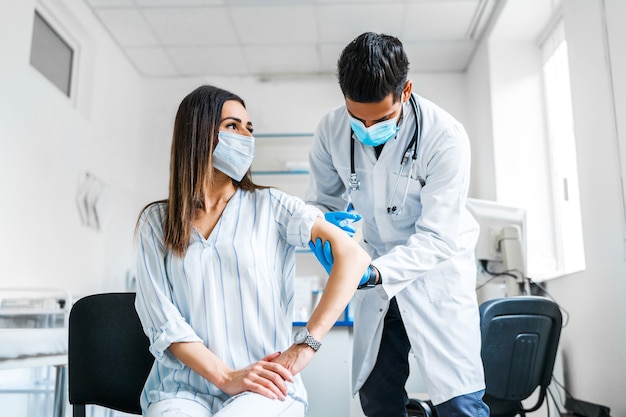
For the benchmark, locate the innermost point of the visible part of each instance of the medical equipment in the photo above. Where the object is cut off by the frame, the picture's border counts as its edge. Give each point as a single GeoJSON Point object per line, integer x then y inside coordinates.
{"type": "Point", "coordinates": [410, 151]}
{"type": "Point", "coordinates": [33, 331]}
{"type": "Point", "coordinates": [501, 245]}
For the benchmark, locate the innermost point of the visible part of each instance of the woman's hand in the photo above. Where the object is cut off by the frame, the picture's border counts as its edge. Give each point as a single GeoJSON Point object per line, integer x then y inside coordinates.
{"type": "Point", "coordinates": [296, 358]}
{"type": "Point", "coordinates": [263, 377]}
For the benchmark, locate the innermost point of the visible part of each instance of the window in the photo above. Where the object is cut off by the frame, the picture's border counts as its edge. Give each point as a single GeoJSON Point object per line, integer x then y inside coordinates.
{"type": "Point", "coordinates": [534, 147]}
{"type": "Point", "coordinates": [51, 55]}
{"type": "Point", "coordinates": [562, 150]}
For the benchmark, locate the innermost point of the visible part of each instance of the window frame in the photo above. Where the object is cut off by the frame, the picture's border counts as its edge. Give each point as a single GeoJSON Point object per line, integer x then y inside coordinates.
{"type": "Point", "coordinates": [570, 256]}
{"type": "Point", "coordinates": [59, 23]}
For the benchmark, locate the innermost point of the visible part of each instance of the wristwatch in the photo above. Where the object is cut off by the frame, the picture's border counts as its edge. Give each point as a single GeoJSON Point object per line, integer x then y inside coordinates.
{"type": "Point", "coordinates": [371, 279]}
{"type": "Point", "coordinates": [303, 336]}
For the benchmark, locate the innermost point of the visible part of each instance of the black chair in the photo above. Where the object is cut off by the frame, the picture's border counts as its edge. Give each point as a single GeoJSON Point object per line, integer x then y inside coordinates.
{"type": "Point", "coordinates": [108, 355]}
{"type": "Point", "coordinates": [520, 338]}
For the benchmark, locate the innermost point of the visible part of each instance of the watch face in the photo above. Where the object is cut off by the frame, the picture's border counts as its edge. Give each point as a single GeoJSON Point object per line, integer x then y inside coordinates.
{"type": "Point", "coordinates": [300, 335]}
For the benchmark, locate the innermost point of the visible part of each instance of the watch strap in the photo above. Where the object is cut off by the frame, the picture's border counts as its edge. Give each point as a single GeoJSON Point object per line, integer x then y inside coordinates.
{"type": "Point", "coordinates": [312, 343]}
{"type": "Point", "coordinates": [371, 281]}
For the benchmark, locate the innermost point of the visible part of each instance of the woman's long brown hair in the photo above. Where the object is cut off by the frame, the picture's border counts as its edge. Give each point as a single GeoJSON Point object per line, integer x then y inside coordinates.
{"type": "Point", "coordinates": [191, 162]}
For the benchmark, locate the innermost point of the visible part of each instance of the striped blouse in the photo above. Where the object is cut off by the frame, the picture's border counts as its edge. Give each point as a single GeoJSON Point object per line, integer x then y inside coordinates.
{"type": "Point", "coordinates": [233, 292]}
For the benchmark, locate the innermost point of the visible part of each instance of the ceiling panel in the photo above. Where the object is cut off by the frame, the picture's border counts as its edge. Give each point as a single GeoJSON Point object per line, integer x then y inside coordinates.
{"type": "Point", "coordinates": [110, 3]}
{"type": "Point", "coordinates": [275, 25]}
{"type": "Point", "coordinates": [343, 22]}
{"type": "Point", "coordinates": [209, 60]}
{"type": "Point", "coordinates": [283, 59]}
{"type": "Point", "coordinates": [178, 3]}
{"type": "Point", "coordinates": [192, 26]}
{"type": "Point", "coordinates": [437, 22]}
{"type": "Point", "coordinates": [268, 3]}
{"type": "Point", "coordinates": [181, 38]}
{"type": "Point", "coordinates": [152, 61]}
{"type": "Point", "coordinates": [439, 56]}
{"type": "Point", "coordinates": [127, 27]}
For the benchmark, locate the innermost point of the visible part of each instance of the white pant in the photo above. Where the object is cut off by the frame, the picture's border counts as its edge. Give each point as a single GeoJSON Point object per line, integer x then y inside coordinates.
{"type": "Point", "coordinates": [247, 404]}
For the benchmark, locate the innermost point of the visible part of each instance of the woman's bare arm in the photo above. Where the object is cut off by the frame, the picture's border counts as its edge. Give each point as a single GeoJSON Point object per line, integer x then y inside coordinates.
{"type": "Point", "coordinates": [350, 262]}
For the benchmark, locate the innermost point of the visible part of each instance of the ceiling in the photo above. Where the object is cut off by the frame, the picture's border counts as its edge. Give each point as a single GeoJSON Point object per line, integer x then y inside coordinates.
{"type": "Point", "coordinates": [268, 38]}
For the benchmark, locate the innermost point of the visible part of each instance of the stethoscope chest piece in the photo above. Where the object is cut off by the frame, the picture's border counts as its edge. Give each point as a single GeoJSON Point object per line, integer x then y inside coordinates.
{"type": "Point", "coordinates": [354, 182]}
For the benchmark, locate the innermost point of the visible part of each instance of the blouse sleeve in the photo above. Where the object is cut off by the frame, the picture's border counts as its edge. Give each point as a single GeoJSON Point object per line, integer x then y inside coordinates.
{"type": "Point", "coordinates": [294, 218]}
{"type": "Point", "coordinates": [160, 318]}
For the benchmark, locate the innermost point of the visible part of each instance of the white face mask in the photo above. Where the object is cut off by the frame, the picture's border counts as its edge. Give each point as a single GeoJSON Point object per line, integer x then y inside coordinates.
{"type": "Point", "coordinates": [233, 154]}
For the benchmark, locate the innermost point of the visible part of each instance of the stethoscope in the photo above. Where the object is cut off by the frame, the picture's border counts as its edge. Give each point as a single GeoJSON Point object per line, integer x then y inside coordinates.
{"type": "Point", "coordinates": [410, 151]}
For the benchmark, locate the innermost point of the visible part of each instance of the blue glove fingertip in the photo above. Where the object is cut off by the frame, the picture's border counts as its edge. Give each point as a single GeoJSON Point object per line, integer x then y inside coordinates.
{"type": "Point", "coordinates": [328, 253]}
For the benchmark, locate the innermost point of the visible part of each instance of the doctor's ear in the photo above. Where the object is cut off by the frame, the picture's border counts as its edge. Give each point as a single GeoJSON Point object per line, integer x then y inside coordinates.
{"type": "Point", "coordinates": [408, 89]}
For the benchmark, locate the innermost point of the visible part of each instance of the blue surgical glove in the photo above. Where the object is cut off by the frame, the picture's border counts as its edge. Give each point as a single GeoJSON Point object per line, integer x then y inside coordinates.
{"type": "Point", "coordinates": [323, 253]}
{"type": "Point", "coordinates": [343, 220]}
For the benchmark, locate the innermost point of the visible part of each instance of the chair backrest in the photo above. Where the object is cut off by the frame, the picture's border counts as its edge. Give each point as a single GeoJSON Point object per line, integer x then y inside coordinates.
{"type": "Point", "coordinates": [108, 355]}
{"type": "Point", "coordinates": [520, 338]}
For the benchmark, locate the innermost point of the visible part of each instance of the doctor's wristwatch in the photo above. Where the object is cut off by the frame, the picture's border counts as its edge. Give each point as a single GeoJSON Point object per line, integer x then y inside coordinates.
{"type": "Point", "coordinates": [370, 279]}
{"type": "Point", "coordinates": [303, 337]}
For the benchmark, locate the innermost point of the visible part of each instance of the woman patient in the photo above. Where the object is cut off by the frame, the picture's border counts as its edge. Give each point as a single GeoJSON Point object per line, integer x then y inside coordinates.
{"type": "Point", "coordinates": [216, 270]}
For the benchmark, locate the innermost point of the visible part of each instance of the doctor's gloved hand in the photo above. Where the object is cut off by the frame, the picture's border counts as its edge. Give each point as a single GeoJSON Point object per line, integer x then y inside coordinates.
{"type": "Point", "coordinates": [343, 220]}
{"type": "Point", "coordinates": [323, 253]}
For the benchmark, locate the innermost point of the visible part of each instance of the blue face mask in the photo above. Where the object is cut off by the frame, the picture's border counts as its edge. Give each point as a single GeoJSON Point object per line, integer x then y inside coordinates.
{"type": "Point", "coordinates": [376, 134]}
{"type": "Point", "coordinates": [233, 154]}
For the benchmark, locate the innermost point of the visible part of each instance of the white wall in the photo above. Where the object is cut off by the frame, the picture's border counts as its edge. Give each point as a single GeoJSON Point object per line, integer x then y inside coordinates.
{"type": "Point", "coordinates": [480, 126]}
{"type": "Point", "coordinates": [594, 342]}
{"type": "Point", "coordinates": [49, 141]}
{"type": "Point", "coordinates": [616, 32]}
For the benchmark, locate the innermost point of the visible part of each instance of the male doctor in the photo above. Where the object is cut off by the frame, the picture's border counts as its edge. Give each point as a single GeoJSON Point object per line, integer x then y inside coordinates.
{"type": "Point", "coordinates": [404, 164]}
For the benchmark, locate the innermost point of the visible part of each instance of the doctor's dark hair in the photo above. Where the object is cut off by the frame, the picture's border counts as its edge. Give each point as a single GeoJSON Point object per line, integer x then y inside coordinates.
{"type": "Point", "coordinates": [191, 162]}
{"type": "Point", "coordinates": [372, 66]}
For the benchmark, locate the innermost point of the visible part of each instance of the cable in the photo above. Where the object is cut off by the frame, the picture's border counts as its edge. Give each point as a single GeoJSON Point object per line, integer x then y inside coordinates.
{"type": "Point", "coordinates": [548, 403]}
{"type": "Point", "coordinates": [543, 289]}
{"type": "Point", "coordinates": [485, 283]}
{"type": "Point", "coordinates": [580, 411]}
{"type": "Point", "coordinates": [485, 267]}
{"type": "Point", "coordinates": [567, 394]}
{"type": "Point", "coordinates": [554, 401]}
{"type": "Point", "coordinates": [559, 392]}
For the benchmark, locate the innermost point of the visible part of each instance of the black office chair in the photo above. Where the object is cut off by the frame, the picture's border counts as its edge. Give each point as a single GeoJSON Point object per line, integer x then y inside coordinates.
{"type": "Point", "coordinates": [520, 338]}
{"type": "Point", "coordinates": [108, 355]}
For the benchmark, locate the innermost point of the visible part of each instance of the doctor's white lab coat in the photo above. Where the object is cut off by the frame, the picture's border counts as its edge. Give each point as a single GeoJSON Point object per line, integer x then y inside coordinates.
{"type": "Point", "coordinates": [425, 254]}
